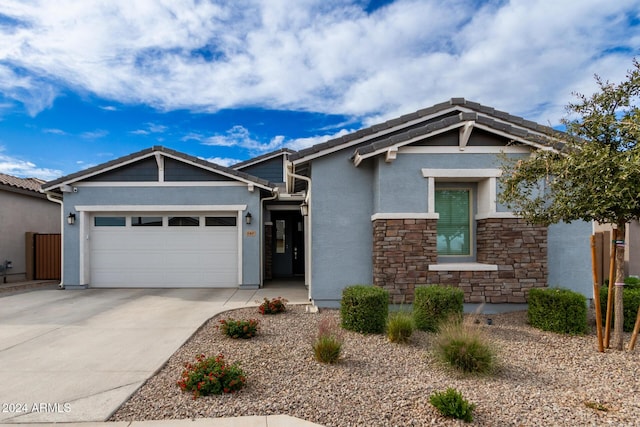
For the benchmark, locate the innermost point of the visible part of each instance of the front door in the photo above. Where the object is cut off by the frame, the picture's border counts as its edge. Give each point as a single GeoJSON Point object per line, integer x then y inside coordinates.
{"type": "Point", "coordinates": [288, 243]}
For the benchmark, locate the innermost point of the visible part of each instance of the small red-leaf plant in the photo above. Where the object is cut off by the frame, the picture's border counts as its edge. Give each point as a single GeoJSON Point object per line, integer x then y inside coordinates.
{"type": "Point", "coordinates": [273, 306]}
{"type": "Point", "coordinates": [238, 328]}
{"type": "Point", "coordinates": [211, 375]}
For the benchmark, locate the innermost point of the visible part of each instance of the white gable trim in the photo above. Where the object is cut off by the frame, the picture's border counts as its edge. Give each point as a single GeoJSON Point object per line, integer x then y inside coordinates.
{"type": "Point", "coordinates": [159, 157]}
{"type": "Point", "coordinates": [484, 149]}
{"type": "Point", "coordinates": [132, 184]}
{"type": "Point", "coordinates": [159, 208]}
{"type": "Point", "coordinates": [517, 138]}
{"type": "Point", "coordinates": [217, 171]}
{"type": "Point", "coordinates": [465, 129]}
{"type": "Point", "coordinates": [377, 134]}
{"type": "Point", "coordinates": [358, 158]}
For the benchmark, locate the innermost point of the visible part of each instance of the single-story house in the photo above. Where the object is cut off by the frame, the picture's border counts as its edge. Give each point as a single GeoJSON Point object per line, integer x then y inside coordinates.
{"type": "Point", "coordinates": [23, 209]}
{"type": "Point", "coordinates": [408, 202]}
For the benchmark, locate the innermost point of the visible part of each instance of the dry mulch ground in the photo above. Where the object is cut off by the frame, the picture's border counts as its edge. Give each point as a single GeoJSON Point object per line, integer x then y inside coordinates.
{"type": "Point", "coordinates": [543, 378]}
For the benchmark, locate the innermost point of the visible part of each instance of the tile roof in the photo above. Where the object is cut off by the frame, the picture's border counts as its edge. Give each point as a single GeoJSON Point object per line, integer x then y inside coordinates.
{"type": "Point", "coordinates": [428, 128]}
{"type": "Point", "coordinates": [262, 157]}
{"type": "Point", "coordinates": [146, 153]}
{"type": "Point", "coordinates": [488, 115]}
{"type": "Point", "coordinates": [31, 184]}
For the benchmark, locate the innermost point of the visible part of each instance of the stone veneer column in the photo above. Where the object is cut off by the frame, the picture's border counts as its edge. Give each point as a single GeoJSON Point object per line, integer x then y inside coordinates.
{"type": "Point", "coordinates": [402, 252]}
{"type": "Point", "coordinates": [519, 250]}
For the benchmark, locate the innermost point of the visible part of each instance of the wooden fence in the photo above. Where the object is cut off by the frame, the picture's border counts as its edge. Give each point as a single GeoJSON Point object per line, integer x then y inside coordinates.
{"type": "Point", "coordinates": [44, 256]}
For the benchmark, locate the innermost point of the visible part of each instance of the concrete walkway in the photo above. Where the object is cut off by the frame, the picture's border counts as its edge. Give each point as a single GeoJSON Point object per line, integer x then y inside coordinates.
{"type": "Point", "coordinates": [76, 356]}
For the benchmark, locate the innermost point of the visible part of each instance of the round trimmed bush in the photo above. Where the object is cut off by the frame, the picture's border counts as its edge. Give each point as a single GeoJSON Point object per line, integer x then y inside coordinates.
{"type": "Point", "coordinates": [434, 304]}
{"type": "Point", "coordinates": [557, 310]}
{"type": "Point", "coordinates": [364, 309]}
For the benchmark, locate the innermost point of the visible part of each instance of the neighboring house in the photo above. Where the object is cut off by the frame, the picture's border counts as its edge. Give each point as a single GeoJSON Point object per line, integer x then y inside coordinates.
{"type": "Point", "coordinates": [408, 202]}
{"type": "Point", "coordinates": [23, 209]}
{"type": "Point", "coordinates": [631, 253]}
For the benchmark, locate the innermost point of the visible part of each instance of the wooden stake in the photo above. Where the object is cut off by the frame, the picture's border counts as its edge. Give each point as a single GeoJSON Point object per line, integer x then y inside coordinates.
{"type": "Point", "coordinates": [596, 295]}
{"type": "Point", "coordinates": [636, 329]}
{"type": "Point", "coordinates": [618, 301]}
{"type": "Point", "coordinates": [612, 278]}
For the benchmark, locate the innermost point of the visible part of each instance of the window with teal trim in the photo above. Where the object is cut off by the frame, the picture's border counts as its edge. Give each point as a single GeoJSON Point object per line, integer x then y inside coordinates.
{"type": "Point", "coordinates": [454, 223]}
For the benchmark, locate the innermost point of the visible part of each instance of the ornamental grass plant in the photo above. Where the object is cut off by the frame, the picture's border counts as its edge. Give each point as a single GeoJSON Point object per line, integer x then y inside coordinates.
{"type": "Point", "coordinates": [400, 326]}
{"type": "Point", "coordinates": [327, 344]}
{"type": "Point", "coordinates": [464, 347]}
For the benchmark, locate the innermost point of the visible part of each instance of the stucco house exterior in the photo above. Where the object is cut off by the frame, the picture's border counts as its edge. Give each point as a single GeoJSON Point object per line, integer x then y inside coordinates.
{"type": "Point", "coordinates": [23, 209]}
{"type": "Point", "coordinates": [408, 202]}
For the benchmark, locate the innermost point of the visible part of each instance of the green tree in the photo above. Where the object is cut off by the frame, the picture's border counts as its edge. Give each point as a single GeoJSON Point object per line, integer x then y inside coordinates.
{"type": "Point", "coordinates": [591, 172]}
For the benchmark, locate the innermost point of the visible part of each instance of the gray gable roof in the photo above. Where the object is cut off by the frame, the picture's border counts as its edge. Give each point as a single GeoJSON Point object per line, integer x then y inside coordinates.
{"type": "Point", "coordinates": [467, 111]}
{"type": "Point", "coordinates": [262, 158]}
{"type": "Point", "coordinates": [113, 164]}
{"type": "Point", "coordinates": [398, 139]}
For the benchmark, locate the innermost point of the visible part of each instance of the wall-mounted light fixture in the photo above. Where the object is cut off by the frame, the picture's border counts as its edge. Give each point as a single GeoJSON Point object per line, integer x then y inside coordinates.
{"type": "Point", "coordinates": [71, 219]}
{"type": "Point", "coordinates": [248, 217]}
{"type": "Point", "coordinates": [304, 209]}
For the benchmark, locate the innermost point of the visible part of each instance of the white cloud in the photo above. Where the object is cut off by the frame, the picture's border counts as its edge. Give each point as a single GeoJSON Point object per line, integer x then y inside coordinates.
{"type": "Point", "coordinates": [150, 128]}
{"type": "Point", "coordinates": [95, 134]}
{"type": "Point", "coordinates": [239, 136]}
{"type": "Point", "coordinates": [24, 169]}
{"type": "Point", "coordinates": [54, 131]}
{"type": "Point", "coordinates": [223, 161]}
{"type": "Point", "coordinates": [523, 56]}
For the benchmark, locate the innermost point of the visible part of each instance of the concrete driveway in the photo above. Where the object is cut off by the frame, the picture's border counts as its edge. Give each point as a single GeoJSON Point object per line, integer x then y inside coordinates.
{"type": "Point", "coordinates": [68, 356]}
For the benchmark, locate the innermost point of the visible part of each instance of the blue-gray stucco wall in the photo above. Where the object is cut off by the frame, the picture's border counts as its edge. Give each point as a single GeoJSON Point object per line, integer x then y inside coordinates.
{"type": "Point", "coordinates": [400, 187]}
{"type": "Point", "coordinates": [217, 195]}
{"type": "Point", "coordinates": [344, 198]}
{"type": "Point", "coordinates": [569, 257]}
{"type": "Point", "coordinates": [342, 243]}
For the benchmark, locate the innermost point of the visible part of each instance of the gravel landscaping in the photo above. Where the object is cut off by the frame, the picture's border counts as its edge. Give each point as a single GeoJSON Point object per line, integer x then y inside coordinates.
{"type": "Point", "coordinates": [543, 379]}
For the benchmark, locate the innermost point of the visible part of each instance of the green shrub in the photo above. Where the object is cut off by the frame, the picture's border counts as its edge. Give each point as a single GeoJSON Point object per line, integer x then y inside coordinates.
{"type": "Point", "coordinates": [400, 326]}
{"type": "Point", "coordinates": [211, 376]}
{"type": "Point", "coordinates": [451, 404]}
{"type": "Point", "coordinates": [273, 306]}
{"type": "Point", "coordinates": [327, 344]}
{"type": "Point", "coordinates": [464, 347]}
{"type": "Point", "coordinates": [434, 304]}
{"type": "Point", "coordinates": [631, 302]}
{"type": "Point", "coordinates": [557, 310]}
{"type": "Point", "coordinates": [364, 309]}
{"type": "Point", "coordinates": [239, 328]}
{"type": "Point", "coordinates": [632, 282]}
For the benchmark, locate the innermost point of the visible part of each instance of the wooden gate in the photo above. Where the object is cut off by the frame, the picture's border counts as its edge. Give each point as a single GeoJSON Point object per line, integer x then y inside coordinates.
{"type": "Point", "coordinates": [47, 256]}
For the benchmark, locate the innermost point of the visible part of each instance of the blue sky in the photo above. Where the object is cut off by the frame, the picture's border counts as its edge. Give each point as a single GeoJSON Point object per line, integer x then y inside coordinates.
{"type": "Point", "coordinates": [83, 82]}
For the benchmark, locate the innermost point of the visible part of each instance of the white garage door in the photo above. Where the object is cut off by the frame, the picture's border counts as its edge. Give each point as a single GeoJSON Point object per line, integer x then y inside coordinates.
{"type": "Point", "coordinates": [164, 250]}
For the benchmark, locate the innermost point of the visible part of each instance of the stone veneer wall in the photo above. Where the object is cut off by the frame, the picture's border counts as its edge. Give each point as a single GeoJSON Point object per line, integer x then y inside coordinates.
{"type": "Point", "coordinates": [404, 248]}
{"type": "Point", "coordinates": [402, 252]}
